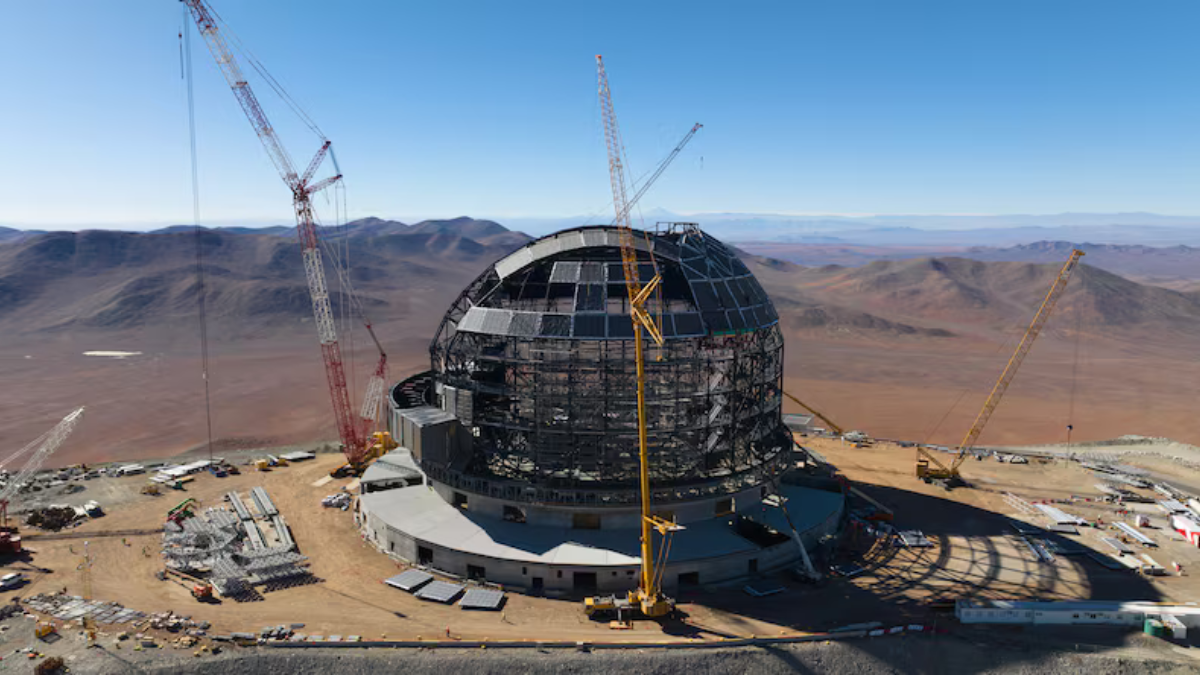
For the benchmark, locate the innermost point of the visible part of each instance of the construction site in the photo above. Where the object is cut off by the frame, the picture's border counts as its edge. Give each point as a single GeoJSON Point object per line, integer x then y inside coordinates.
{"type": "Point", "coordinates": [596, 457]}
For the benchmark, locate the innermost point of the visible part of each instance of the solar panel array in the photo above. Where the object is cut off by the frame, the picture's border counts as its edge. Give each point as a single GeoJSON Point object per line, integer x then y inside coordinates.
{"type": "Point", "coordinates": [409, 580]}
{"type": "Point", "coordinates": [440, 591]}
{"type": "Point", "coordinates": [481, 598]}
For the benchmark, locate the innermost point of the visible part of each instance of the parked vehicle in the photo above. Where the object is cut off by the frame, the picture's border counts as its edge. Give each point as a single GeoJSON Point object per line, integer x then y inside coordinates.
{"type": "Point", "coordinates": [11, 580]}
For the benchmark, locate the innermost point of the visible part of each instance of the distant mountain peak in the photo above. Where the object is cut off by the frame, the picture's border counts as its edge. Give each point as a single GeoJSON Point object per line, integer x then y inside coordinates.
{"type": "Point", "coordinates": [463, 226]}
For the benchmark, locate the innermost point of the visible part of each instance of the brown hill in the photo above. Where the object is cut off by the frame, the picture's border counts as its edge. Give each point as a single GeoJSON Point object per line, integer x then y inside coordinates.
{"type": "Point", "coordinates": [888, 347]}
{"type": "Point", "coordinates": [106, 280]}
{"type": "Point", "coordinates": [968, 295]}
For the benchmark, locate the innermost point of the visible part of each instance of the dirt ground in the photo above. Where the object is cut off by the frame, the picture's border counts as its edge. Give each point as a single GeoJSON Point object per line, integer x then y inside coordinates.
{"type": "Point", "coordinates": [350, 598]}
{"type": "Point", "coordinates": [976, 555]}
{"type": "Point", "coordinates": [271, 391]}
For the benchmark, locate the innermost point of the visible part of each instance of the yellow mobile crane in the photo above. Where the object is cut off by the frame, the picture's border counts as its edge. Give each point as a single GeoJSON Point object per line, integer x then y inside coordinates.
{"type": "Point", "coordinates": [929, 467]}
{"type": "Point", "coordinates": [648, 598]}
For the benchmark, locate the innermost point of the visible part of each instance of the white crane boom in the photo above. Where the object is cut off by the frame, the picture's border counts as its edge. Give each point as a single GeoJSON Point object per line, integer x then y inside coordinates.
{"type": "Point", "coordinates": [662, 166]}
{"type": "Point", "coordinates": [22, 452]}
{"type": "Point", "coordinates": [52, 440]}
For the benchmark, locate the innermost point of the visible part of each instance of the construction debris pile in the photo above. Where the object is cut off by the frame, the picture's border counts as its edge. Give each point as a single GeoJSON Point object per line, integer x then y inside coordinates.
{"type": "Point", "coordinates": [51, 517]}
{"type": "Point", "coordinates": [229, 550]}
{"type": "Point", "coordinates": [72, 607]}
{"type": "Point", "coordinates": [340, 500]}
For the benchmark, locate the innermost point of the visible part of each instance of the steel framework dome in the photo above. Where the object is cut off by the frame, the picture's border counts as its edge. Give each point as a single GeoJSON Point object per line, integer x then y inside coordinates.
{"type": "Point", "coordinates": [535, 359]}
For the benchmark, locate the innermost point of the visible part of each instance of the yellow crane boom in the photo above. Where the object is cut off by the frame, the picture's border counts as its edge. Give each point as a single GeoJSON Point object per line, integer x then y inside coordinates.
{"type": "Point", "coordinates": [943, 472]}
{"type": "Point", "coordinates": [832, 426]}
{"type": "Point", "coordinates": [648, 597]}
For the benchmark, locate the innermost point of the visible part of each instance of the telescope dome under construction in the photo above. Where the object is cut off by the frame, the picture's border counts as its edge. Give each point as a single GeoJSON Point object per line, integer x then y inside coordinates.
{"type": "Point", "coordinates": [518, 458]}
{"type": "Point", "coordinates": [536, 358]}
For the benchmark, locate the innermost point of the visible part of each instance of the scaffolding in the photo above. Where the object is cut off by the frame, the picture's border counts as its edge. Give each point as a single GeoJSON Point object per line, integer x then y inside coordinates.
{"type": "Point", "coordinates": [231, 552]}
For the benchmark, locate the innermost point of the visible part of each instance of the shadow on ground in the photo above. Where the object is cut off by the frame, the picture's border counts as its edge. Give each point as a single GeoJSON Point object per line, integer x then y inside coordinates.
{"type": "Point", "coordinates": [977, 554]}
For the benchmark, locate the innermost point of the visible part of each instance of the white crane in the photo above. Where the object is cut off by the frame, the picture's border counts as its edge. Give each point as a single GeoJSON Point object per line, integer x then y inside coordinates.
{"type": "Point", "coordinates": [45, 445]}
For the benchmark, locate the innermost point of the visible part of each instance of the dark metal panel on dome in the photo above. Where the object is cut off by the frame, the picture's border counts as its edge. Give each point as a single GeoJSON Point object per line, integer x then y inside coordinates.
{"type": "Point", "coordinates": [590, 298]}
{"type": "Point", "coordinates": [757, 295]}
{"type": "Point", "coordinates": [525, 324]}
{"type": "Point", "coordinates": [740, 292]}
{"type": "Point", "coordinates": [716, 321]}
{"type": "Point", "coordinates": [665, 248]}
{"type": "Point", "coordinates": [723, 293]}
{"type": "Point", "coordinates": [668, 326]}
{"type": "Point", "coordinates": [706, 297]}
{"type": "Point", "coordinates": [695, 269]}
{"type": "Point", "coordinates": [591, 325]}
{"type": "Point", "coordinates": [735, 319]}
{"type": "Point", "coordinates": [620, 327]}
{"type": "Point", "coordinates": [556, 325]}
{"type": "Point", "coordinates": [754, 316]}
{"type": "Point", "coordinates": [688, 324]}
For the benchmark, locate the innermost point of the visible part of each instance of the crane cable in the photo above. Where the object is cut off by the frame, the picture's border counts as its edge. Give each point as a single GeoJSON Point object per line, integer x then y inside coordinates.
{"type": "Point", "coordinates": [185, 51]}
{"type": "Point", "coordinates": [1010, 333]}
{"type": "Point", "coordinates": [267, 77]}
{"type": "Point", "coordinates": [1074, 378]}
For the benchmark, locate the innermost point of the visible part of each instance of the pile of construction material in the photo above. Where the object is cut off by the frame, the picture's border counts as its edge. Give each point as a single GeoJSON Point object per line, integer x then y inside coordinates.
{"type": "Point", "coordinates": [341, 500]}
{"type": "Point", "coordinates": [72, 607]}
{"type": "Point", "coordinates": [52, 517]}
{"type": "Point", "coordinates": [174, 622]}
{"type": "Point", "coordinates": [228, 549]}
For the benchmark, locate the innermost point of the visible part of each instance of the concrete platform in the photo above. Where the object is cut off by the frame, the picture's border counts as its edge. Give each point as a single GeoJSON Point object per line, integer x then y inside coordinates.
{"type": "Point", "coordinates": [415, 524]}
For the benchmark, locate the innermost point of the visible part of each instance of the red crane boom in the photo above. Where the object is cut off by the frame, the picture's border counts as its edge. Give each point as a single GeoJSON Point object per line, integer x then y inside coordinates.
{"type": "Point", "coordinates": [354, 432]}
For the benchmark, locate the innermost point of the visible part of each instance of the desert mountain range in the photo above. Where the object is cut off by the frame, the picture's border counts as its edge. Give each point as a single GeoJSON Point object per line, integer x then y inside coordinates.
{"type": "Point", "coordinates": [99, 280]}
{"type": "Point", "coordinates": [887, 346]}
{"type": "Point", "coordinates": [112, 280]}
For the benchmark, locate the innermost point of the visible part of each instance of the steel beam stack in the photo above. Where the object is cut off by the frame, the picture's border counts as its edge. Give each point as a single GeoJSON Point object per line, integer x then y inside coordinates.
{"type": "Point", "coordinates": [238, 506]}
{"type": "Point", "coordinates": [263, 503]}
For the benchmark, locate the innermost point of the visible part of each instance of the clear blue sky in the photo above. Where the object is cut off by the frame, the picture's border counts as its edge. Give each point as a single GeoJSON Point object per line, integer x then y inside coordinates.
{"type": "Point", "coordinates": [489, 108]}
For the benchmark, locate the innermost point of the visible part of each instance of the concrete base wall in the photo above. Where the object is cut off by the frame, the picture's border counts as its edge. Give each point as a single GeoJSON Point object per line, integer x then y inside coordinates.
{"type": "Point", "coordinates": [566, 579]}
{"type": "Point", "coordinates": [611, 518]}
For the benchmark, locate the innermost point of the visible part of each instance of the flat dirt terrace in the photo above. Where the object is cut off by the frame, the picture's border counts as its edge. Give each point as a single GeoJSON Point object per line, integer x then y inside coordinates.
{"type": "Point", "coordinates": [976, 555]}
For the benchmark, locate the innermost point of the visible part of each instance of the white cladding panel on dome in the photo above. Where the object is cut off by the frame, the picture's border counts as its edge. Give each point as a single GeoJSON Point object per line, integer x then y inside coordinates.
{"type": "Point", "coordinates": [577, 239]}
{"type": "Point", "coordinates": [596, 238]}
{"type": "Point", "coordinates": [472, 321]}
{"type": "Point", "coordinates": [492, 321]}
{"type": "Point", "coordinates": [515, 261]}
